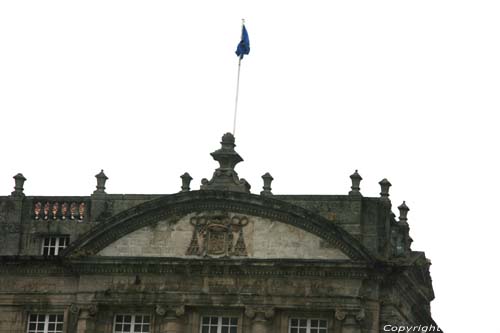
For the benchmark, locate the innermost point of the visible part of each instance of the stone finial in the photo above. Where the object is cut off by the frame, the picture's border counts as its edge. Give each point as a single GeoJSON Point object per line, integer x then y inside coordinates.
{"type": "Point", "coordinates": [186, 180]}
{"type": "Point", "coordinates": [267, 184]}
{"type": "Point", "coordinates": [19, 180]}
{"type": "Point", "coordinates": [403, 212]}
{"type": "Point", "coordinates": [384, 189]}
{"type": "Point", "coordinates": [356, 180]}
{"type": "Point", "coordinates": [225, 178]}
{"type": "Point", "coordinates": [101, 182]}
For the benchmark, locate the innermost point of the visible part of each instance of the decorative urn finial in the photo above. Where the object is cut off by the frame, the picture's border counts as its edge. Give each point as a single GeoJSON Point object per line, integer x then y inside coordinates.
{"type": "Point", "coordinates": [101, 182]}
{"type": "Point", "coordinates": [186, 180]}
{"type": "Point", "coordinates": [19, 180]}
{"type": "Point", "coordinates": [356, 180]}
{"type": "Point", "coordinates": [403, 212]}
{"type": "Point", "coordinates": [384, 189]}
{"type": "Point", "coordinates": [225, 177]}
{"type": "Point", "coordinates": [266, 189]}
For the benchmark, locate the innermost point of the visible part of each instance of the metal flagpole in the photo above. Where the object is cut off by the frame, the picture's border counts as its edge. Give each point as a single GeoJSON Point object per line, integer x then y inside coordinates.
{"type": "Point", "coordinates": [237, 84]}
{"type": "Point", "coordinates": [236, 100]}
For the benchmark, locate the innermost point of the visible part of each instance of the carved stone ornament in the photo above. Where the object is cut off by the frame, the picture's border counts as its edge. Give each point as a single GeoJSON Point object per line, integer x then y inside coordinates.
{"type": "Point", "coordinates": [225, 177]}
{"type": "Point", "coordinates": [250, 312]}
{"type": "Point", "coordinates": [73, 308]}
{"type": "Point", "coordinates": [160, 310]}
{"type": "Point", "coordinates": [180, 310]}
{"type": "Point", "coordinates": [92, 310]}
{"type": "Point", "coordinates": [340, 315]}
{"type": "Point", "coordinates": [269, 313]}
{"type": "Point", "coordinates": [360, 315]}
{"type": "Point", "coordinates": [214, 235]}
{"type": "Point", "coordinates": [257, 311]}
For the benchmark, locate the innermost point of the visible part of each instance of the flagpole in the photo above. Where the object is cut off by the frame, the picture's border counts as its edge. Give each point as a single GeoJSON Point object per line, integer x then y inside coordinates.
{"type": "Point", "coordinates": [237, 85]}
{"type": "Point", "coordinates": [237, 94]}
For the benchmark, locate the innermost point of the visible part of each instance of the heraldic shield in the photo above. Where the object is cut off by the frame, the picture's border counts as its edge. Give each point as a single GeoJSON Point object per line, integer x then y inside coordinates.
{"type": "Point", "coordinates": [214, 236]}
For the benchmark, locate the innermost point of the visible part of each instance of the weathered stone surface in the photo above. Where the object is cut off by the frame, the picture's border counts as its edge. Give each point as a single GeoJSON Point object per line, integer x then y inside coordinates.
{"type": "Point", "coordinates": [264, 238]}
{"type": "Point", "coordinates": [221, 251]}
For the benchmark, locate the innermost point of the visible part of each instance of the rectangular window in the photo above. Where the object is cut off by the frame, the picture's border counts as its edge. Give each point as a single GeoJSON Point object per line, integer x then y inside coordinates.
{"type": "Point", "coordinates": [302, 325]}
{"type": "Point", "coordinates": [128, 323]}
{"type": "Point", "coordinates": [212, 324]}
{"type": "Point", "coordinates": [52, 245]}
{"type": "Point", "coordinates": [45, 323]}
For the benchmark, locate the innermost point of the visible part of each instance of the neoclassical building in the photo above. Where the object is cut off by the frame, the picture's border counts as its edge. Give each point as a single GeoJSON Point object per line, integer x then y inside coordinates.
{"type": "Point", "coordinates": [215, 260]}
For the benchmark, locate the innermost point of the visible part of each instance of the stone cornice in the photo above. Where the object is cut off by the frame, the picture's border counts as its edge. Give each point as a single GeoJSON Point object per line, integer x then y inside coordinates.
{"type": "Point", "coordinates": [173, 207]}
{"type": "Point", "coordinates": [34, 265]}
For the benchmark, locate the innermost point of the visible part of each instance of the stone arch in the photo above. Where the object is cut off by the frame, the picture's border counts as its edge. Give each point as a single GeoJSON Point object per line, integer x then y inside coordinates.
{"type": "Point", "coordinates": [173, 207]}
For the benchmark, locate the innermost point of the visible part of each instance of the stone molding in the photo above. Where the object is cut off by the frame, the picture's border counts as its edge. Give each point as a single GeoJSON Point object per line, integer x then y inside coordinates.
{"type": "Point", "coordinates": [265, 268]}
{"type": "Point", "coordinates": [173, 207]}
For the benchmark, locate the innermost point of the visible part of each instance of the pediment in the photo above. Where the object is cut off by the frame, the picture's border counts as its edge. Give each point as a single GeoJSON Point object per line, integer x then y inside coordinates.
{"type": "Point", "coordinates": [222, 235]}
{"type": "Point", "coordinates": [218, 224]}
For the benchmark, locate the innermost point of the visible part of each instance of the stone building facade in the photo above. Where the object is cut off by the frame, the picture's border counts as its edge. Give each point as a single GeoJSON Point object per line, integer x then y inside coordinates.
{"type": "Point", "coordinates": [215, 260]}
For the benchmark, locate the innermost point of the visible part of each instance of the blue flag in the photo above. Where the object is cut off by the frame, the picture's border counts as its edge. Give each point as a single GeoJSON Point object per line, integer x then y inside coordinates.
{"type": "Point", "coordinates": [244, 45]}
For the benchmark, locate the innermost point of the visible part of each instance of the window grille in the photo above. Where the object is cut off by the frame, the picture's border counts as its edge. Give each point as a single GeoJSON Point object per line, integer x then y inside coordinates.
{"type": "Point", "coordinates": [52, 245]}
{"type": "Point", "coordinates": [212, 324]}
{"type": "Point", "coordinates": [45, 323]}
{"type": "Point", "coordinates": [304, 325]}
{"type": "Point", "coordinates": [129, 323]}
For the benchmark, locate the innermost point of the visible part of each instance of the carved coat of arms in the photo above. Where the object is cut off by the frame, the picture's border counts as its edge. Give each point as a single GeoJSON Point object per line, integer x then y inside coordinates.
{"type": "Point", "coordinates": [218, 235]}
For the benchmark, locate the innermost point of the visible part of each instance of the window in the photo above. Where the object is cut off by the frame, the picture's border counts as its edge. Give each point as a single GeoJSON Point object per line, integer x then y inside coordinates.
{"type": "Point", "coordinates": [307, 326]}
{"type": "Point", "coordinates": [219, 325]}
{"type": "Point", "coordinates": [45, 323]}
{"type": "Point", "coordinates": [126, 323]}
{"type": "Point", "coordinates": [52, 245]}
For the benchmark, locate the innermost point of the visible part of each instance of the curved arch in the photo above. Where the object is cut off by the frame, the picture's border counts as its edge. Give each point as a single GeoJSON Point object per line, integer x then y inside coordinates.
{"type": "Point", "coordinates": [173, 207]}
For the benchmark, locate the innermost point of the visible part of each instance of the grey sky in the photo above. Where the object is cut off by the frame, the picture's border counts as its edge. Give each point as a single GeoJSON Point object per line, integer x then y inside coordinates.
{"type": "Point", "coordinates": [396, 89]}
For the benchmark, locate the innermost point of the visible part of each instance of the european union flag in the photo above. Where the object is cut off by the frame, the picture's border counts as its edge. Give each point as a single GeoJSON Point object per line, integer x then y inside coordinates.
{"type": "Point", "coordinates": [244, 45]}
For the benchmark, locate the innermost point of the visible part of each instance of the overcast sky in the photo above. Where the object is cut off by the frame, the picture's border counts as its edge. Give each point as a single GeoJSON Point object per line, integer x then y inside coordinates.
{"type": "Point", "coordinates": [403, 90]}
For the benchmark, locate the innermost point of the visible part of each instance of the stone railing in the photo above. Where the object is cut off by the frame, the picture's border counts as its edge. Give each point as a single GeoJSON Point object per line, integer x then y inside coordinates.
{"type": "Point", "coordinates": [60, 210]}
